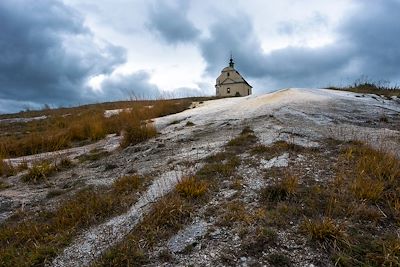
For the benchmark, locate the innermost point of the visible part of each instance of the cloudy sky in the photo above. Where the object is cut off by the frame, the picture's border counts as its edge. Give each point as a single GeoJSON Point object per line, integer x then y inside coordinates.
{"type": "Point", "coordinates": [69, 52]}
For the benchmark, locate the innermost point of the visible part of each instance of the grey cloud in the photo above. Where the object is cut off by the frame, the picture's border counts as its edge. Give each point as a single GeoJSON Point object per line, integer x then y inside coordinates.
{"type": "Point", "coordinates": [47, 54]}
{"type": "Point", "coordinates": [315, 22]}
{"type": "Point", "coordinates": [184, 92]}
{"type": "Point", "coordinates": [367, 45]}
{"type": "Point", "coordinates": [126, 86]}
{"type": "Point", "coordinates": [137, 85]}
{"type": "Point", "coordinates": [374, 33]}
{"type": "Point", "coordinates": [170, 22]}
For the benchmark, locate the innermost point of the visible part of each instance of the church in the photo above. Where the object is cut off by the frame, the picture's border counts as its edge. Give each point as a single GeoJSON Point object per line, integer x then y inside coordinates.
{"type": "Point", "coordinates": [231, 83]}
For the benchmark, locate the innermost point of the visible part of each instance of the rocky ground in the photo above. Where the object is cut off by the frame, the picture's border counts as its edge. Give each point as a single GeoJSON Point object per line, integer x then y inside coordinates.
{"type": "Point", "coordinates": [219, 235]}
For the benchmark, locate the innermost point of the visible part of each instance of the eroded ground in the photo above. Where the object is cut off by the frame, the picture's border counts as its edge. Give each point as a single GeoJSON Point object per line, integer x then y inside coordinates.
{"type": "Point", "coordinates": [234, 224]}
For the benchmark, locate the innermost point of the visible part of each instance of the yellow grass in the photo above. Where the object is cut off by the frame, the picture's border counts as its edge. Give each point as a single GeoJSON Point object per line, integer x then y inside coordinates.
{"type": "Point", "coordinates": [190, 187]}
{"type": "Point", "coordinates": [73, 127]}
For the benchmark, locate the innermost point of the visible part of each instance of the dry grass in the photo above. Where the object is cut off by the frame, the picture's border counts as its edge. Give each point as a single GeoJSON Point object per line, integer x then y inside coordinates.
{"type": "Point", "coordinates": [93, 155]}
{"type": "Point", "coordinates": [39, 172]}
{"type": "Point", "coordinates": [367, 188]}
{"type": "Point", "coordinates": [258, 241]}
{"type": "Point", "coordinates": [4, 185]}
{"type": "Point", "coordinates": [235, 212]}
{"type": "Point", "coordinates": [82, 125]}
{"type": "Point", "coordinates": [243, 141]}
{"type": "Point", "coordinates": [127, 184]}
{"type": "Point", "coordinates": [135, 133]}
{"type": "Point", "coordinates": [350, 216]}
{"type": "Point", "coordinates": [167, 217]}
{"type": "Point", "coordinates": [276, 149]}
{"type": "Point", "coordinates": [325, 231]}
{"type": "Point", "coordinates": [190, 187]}
{"type": "Point", "coordinates": [283, 190]}
{"type": "Point", "coordinates": [6, 169]}
{"type": "Point", "coordinates": [222, 164]}
{"type": "Point", "coordinates": [171, 213]}
{"type": "Point", "coordinates": [370, 87]}
{"type": "Point", "coordinates": [35, 240]}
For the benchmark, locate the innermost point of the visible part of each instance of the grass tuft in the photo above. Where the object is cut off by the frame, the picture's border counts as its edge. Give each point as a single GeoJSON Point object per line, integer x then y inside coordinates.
{"type": "Point", "coordinates": [136, 133]}
{"type": "Point", "coordinates": [281, 191]}
{"type": "Point", "coordinates": [6, 168]}
{"type": "Point", "coordinates": [127, 184]}
{"type": "Point", "coordinates": [245, 139]}
{"type": "Point", "coordinates": [39, 172]}
{"type": "Point", "coordinates": [325, 231]}
{"type": "Point", "coordinates": [190, 187]}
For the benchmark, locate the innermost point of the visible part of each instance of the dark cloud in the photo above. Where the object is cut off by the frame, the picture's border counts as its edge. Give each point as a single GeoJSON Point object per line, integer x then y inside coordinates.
{"type": "Point", "coordinates": [170, 22]}
{"type": "Point", "coordinates": [291, 27]}
{"type": "Point", "coordinates": [373, 31]}
{"type": "Point", "coordinates": [138, 86]}
{"type": "Point", "coordinates": [367, 44]}
{"type": "Point", "coordinates": [184, 92]}
{"type": "Point", "coordinates": [47, 54]}
{"type": "Point", "coordinates": [128, 86]}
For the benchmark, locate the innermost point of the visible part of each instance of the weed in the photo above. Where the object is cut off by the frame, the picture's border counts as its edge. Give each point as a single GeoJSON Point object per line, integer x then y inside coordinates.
{"type": "Point", "coordinates": [290, 184]}
{"type": "Point", "coordinates": [365, 86]}
{"type": "Point", "coordinates": [367, 188]}
{"type": "Point", "coordinates": [109, 166]}
{"type": "Point", "coordinates": [39, 172]}
{"type": "Point", "coordinates": [165, 256]}
{"type": "Point", "coordinates": [127, 184]}
{"type": "Point", "coordinates": [245, 139]}
{"type": "Point", "coordinates": [237, 184]}
{"type": "Point", "coordinates": [276, 149]}
{"type": "Point", "coordinates": [190, 187]}
{"type": "Point", "coordinates": [264, 238]}
{"type": "Point", "coordinates": [65, 163]}
{"type": "Point", "coordinates": [286, 188]}
{"type": "Point", "coordinates": [235, 212]}
{"type": "Point", "coordinates": [247, 130]}
{"type": "Point", "coordinates": [383, 118]}
{"type": "Point", "coordinates": [224, 169]}
{"type": "Point", "coordinates": [279, 259]}
{"type": "Point", "coordinates": [93, 155]}
{"type": "Point", "coordinates": [4, 185]}
{"type": "Point", "coordinates": [136, 133]}
{"type": "Point", "coordinates": [54, 193]}
{"type": "Point", "coordinates": [6, 168]}
{"type": "Point", "coordinates": [325, 231]}
{"type": "Point", "coordinates": [367, 251]}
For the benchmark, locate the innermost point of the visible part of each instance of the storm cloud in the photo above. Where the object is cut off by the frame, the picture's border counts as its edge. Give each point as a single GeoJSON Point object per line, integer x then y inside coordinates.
{"type": "Point", "coordinates": [133, 86]}
{"type": "Point", "coordinates": [47, 54]}
{"type": "Point", "coordinates": [366, 45]}
{"type": "Point", "coordinates": [67, 52]}
{"type": "Point", "coordinates": [170, 22]}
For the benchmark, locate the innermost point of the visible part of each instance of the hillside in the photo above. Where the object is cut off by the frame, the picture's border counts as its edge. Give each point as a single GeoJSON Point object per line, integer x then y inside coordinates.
{"type": "Point", "coordinates": [298, 177]}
